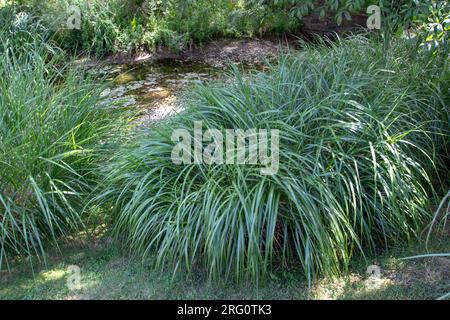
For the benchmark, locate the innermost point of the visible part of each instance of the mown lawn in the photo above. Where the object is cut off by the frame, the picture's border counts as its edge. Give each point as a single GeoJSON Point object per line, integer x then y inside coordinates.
{"type": "Point", "coordinates": [108, 273]}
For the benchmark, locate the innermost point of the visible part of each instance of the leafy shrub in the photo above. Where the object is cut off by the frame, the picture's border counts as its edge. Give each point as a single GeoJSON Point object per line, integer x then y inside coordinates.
{"type": "Point", "coordinates": [436, 19]}
{"type": "Point", "coordinates": [117, 25]}
{"type": "Point", "coordinates": [297, 9]}
{"type": "Point", "coordinates": [357, 155]}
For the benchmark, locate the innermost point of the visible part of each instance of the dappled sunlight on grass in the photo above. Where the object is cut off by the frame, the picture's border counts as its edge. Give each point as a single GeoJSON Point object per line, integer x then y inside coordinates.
{"type": "Point", "coordinates": [108, 274]}
{"type": "Point", "coordinates": [349, 286]}
{"type": "Point", "coordinates": [53, 275]}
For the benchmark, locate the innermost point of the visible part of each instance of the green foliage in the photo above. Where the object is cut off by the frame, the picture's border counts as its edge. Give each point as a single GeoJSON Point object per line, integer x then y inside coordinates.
{"type": "Point", "coordinates": [131, 25]}
{"type": "Point", "coordinates": [298, 9]}
{"type": "Point", "coordinates": [356, 162]}
{"type": "Point", "coordinates": [205, 19]}
{"type": "Point", "coordinates": [437, 26]}
{"type": "Point", "coordinates": [52, 129]}
{"type": "Point", "coordinates": [117, 25]}
{"type": "Point", "coordinates": [432, 17]}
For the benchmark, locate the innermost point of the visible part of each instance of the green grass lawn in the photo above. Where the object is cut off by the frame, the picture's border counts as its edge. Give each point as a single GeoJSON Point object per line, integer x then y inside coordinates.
{"type": "Point", "coordinates": [107, 273]}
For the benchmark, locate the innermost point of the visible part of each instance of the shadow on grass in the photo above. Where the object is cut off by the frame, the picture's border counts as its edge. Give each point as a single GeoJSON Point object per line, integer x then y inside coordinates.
{"type": "Point", "coordinates": [106, 273]}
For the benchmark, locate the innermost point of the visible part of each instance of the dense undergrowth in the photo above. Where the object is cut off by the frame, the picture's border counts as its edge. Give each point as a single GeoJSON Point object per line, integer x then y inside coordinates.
{"type": "Point", "coordinates": [361, 146]}
{"type": "Point", "coordinates": [132, 25]}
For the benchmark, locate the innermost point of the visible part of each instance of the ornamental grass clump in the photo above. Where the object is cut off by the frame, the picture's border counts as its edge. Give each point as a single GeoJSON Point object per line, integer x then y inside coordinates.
{"type": "Point", "coordinates": [52, 132]}
{"type": "Point", "coordinates": [357, 153]}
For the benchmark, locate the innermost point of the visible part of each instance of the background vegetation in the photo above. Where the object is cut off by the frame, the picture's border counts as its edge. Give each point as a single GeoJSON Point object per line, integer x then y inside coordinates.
{"type": "Point", "coordinates": [133, 25]}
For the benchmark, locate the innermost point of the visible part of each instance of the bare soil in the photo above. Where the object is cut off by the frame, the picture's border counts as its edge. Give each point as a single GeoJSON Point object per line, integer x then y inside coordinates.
{"type": "Point", "coordinates": [216, 53]}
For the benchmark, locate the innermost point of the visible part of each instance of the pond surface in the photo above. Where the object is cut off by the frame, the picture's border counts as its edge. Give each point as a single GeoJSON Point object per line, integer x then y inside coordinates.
{"type": "Point", "coordinates": [155, 87]}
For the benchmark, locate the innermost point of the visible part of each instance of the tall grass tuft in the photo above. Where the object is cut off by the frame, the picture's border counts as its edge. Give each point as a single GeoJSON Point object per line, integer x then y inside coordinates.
{"type": "Point", "coordinates": [357, 153]}
{"type": "Point", "coordinates": [52, 130]}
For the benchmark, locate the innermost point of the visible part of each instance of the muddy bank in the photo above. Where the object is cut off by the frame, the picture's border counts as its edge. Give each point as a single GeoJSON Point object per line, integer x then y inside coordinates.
{"type": "Point", "coordinates": [217, 54]}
